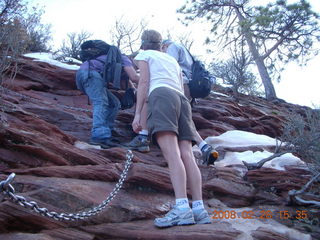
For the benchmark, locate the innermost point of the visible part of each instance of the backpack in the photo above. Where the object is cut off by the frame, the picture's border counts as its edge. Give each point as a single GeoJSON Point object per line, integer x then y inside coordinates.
{"type": "Point", "coordinates": [201, 80]}
{"type": "Point", "coordinates": [92, 49]}
{"type": "Point", "coordinates": [113, 67]}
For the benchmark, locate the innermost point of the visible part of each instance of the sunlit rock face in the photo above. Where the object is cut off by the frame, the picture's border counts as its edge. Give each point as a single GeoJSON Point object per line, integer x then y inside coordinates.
{"type": "Point", "coordinates": [44, 129]}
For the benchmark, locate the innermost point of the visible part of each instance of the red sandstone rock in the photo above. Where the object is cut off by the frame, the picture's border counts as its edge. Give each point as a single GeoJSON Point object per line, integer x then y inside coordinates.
{"type": "Point", "coordinates": [38, 132]}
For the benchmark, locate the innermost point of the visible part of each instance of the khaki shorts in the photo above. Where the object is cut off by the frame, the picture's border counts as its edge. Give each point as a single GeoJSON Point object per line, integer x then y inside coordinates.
{"type": "Point", "coordinates": [170, 111]}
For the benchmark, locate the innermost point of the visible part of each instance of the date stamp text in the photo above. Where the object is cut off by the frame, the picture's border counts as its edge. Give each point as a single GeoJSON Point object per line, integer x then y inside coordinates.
{"type": "Point", "coordinates": [259, 214]}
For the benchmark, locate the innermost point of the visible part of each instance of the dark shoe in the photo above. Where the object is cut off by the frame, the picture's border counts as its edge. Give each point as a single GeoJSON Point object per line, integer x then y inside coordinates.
{"type": "Point", "coordinates": [139, 143]}
{"type": "Point", "coordinates": [209, 154]}
{"type": "Point", "coordinates": [107, 143]}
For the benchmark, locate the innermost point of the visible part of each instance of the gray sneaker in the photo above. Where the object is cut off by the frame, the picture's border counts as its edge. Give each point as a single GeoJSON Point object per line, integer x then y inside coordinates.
{"type": "Point", "coordinates": [139, 143]}
{"type": "Point", "coordinates": [209, 154]}
{"type": "Point", "coordinates": [175, 217]}
{"type": "Point", "coordinates": [201, 216]}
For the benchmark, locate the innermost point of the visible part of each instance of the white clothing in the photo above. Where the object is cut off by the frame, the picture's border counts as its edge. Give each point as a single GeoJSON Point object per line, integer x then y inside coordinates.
{"type": "Point", "coordinates": [164, 70]}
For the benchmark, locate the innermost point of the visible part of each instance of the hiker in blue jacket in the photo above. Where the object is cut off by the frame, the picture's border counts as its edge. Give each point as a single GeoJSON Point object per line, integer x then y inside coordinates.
{"type": "Point", "coordinates": [105, 104]}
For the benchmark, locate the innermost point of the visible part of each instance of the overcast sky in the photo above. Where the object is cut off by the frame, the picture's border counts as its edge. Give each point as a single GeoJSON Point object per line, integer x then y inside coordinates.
{"type": "Point", "coordinates": [298, 85]}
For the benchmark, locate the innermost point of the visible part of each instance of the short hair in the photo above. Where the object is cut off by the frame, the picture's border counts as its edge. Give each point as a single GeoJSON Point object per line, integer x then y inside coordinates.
{"type": "Point", "coordinates": [151, 40]}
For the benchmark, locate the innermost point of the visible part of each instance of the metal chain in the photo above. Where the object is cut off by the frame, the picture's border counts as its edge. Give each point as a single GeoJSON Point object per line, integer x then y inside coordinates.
{"type": "Point", "coordinates": [38, 101]}
{"type": "Point", "coordinates": [7, 189]}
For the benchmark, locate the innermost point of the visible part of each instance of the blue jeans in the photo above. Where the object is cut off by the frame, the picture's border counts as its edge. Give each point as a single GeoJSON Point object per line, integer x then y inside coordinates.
{"type": "Point", "coordinates": [105, 104]}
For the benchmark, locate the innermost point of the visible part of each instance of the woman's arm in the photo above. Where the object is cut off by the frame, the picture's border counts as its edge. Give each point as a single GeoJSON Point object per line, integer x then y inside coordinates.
{"type": "Point", "coordinates": [131, 72]}
{"type": "Point", "coordinates": [142, 93]}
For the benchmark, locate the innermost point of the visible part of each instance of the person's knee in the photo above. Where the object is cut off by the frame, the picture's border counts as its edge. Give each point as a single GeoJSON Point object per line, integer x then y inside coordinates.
{"type": "Point", "coordinates": [167, 140]}
{"type": "Point", "coordinates": [186, 155]}
{"type": "Point", "coordinates": [185, 150]}
{"type": "Point", "coordinates": [165, 135]}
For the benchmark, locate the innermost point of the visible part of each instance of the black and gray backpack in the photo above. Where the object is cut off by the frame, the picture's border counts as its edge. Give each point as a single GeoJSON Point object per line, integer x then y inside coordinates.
{"type": "Point", "coordinates": [201, 81]}
{"type": "Point", "coordinates": [92, 49]}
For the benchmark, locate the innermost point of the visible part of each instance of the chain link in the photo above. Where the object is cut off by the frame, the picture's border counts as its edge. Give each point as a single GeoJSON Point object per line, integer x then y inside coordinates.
{"type": "Point", "coordinates": [38, 101]}
{"type": "Point", "coordinates": [7, 189]}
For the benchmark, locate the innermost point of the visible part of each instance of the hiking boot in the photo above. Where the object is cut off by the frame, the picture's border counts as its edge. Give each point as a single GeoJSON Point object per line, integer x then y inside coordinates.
{"type": "Point", "coordinates": [139, 143]}
{"type": "Point", "coordinates": [201, 216]}
{"type": "Point", "coordinates": [107, 143]}
{"type": "Point", "coordinates": [209, 154]}
{"type": "Point", "coordinates": [175, 217]}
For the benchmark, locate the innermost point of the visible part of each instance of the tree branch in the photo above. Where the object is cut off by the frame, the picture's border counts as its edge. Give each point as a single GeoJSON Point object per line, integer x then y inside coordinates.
{"type": "Point", "coordinates": [258, 165]}
{"type": "Point", "coordinates": [305, 187]}
{"type": "Point", "coordinates": [293, 193]}
{"type": "Point", "coordinates": [300, 200]}
{"type": "Point", "coordinates": [276, 45]}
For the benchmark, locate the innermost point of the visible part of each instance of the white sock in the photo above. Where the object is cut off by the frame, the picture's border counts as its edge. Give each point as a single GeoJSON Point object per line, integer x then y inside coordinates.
{"type": "Point", "coordinates": [202, 144]}
{"type": "Point", "coordinates": [196, 205]}
{"type": "Point", "coordinates": [144, 132]}
{"type": "Point", "coordinates": [182, 203]}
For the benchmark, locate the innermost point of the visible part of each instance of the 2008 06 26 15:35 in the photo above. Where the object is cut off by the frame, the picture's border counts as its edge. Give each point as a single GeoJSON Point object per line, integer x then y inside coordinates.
{"type": "Point", "coordinates": [258, 214]}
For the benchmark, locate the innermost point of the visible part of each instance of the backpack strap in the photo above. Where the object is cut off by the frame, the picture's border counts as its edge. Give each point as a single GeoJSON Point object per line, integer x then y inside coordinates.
{"type": "Point", "coordinates": [114, 62]}
{"type": "Point", "coordinates": [118, 68]}
{"type": "Point", "coordinates": [193, 60]}
{"type": "Point", "coordinates": [190, 54]}
{"type": "Point", "coordinates": [193, 100]}
{"type": "Point", "coordinates": [89, 68]}
{"type": "Point", "coordinates": [117, 76]}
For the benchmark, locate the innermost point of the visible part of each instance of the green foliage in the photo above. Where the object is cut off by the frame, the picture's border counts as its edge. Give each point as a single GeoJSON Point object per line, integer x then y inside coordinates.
{"type": "Point", "coordinates": [20, 31]}
{"type": "Point", "coordinates": [39, 34]}
{"type": "Point", "coordinates": [293, 27]}
{"type": "Point", "coordinates": [13, 39]}
{"type": "Point", "coordinates": [275, 34]}
{"type": "Point", "coordinates": [239, 77]}
{"type": "Point", "coordinates": [302, 132]}
{"type": "Point", "coordinates": [235, 71]}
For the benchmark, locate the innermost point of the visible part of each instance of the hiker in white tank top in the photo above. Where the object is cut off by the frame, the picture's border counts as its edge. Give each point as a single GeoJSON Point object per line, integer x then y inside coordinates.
{"type": "Point", "coordinates": [164, 70]}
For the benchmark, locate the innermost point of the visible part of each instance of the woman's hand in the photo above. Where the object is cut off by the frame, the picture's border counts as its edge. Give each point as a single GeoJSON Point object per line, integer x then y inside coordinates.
{"type": "Point", "coordinates": [136, 125]}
